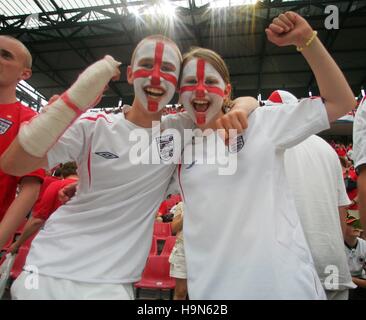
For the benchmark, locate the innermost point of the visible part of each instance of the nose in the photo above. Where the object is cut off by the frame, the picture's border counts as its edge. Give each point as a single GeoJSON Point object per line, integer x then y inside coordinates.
{"type": "Point", "coordinates": [155, 77]}
{"type": "Point", "coordinates": [201, 91]}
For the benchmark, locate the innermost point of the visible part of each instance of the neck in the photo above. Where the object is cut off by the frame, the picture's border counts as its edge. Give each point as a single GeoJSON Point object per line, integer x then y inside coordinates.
{"type": "Point", "coordinates": [141, 117]}
{"type": "Point", "coordinates": [212, 124]}
{"type": "Point", "coordinates": [8, 95]}
{"type": "Point", "coordinates": [73, 176]}
{"type": "Point", "coordinates": [351, 241]}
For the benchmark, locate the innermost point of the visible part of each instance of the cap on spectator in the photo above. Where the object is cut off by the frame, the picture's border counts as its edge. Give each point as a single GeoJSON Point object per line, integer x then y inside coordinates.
{"type": "Point", "coordinates": [281, 97]}
{"type": "Point", "coordinates": [354, 222]}
{"type": "Point", "coordinates": [350, 219]}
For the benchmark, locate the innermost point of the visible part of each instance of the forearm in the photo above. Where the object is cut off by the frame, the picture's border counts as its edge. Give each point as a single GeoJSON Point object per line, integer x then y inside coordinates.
{"type": "Point", "coordinates": [16, 213]}
{"type": "Point", "coordinates": [332, 84]}
{"type": "Point", "coordinates": [16, 161]}
{"type": "Point", "coordinates": [31, 227]}
{"type": "Point", "coordinates": [37, 137]}
{"type": "Point", "coordinates": [359, 282]}
{"type": "Point", "coordinates": [247, 104]}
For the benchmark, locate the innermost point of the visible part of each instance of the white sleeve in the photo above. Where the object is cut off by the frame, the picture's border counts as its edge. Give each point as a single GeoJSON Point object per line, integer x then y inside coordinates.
{"type": "Point", "coordinates": [70, 146]}
{"type": "Point", "coordinates": [289, 124]}
{"type": "Point", "coordinates": [359, 135]}
{"type": "Point", "coordinates": [343, 199]}
{"type": "Point", "coordinates": [179, 121]}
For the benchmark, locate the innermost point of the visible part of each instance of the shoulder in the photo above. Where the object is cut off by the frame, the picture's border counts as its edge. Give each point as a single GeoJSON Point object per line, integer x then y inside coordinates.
{"type": "Point", "coordinates": [25, 113]}
{"type": "Point", "coordinates": [181, 119]}
{"type": "Point", "coordinates": [94, 117]}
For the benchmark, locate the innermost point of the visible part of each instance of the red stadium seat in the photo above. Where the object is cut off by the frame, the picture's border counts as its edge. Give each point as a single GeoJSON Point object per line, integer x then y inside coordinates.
{"type": "Point", "coordinates": [154, 247]}
{"type": "Point", "coordinates": [162, 230]}
{"type": "Point", "coordinates": [156, 276]}
{"type": "Point", "coordinates": [168, 246]}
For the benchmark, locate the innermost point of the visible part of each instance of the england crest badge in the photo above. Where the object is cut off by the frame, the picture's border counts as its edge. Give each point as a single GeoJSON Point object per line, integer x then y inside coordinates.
{"type": "Point", "coordinates": [165, 146]}
{"type": "Point", "coordinates": [5, 124]}
{"type": "Point", "coordinates": [236, 145]}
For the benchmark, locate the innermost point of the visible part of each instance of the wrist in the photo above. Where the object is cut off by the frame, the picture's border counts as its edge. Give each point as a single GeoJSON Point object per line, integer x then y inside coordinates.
{"type": "Point", "coordinates": [306, 40]}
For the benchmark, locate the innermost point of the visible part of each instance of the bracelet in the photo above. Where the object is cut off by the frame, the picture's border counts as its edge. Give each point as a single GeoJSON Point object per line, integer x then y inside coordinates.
{"type": "Point", "coordinates": [308, 43]}
{"type": "Point", "coordinates": [227, 107]}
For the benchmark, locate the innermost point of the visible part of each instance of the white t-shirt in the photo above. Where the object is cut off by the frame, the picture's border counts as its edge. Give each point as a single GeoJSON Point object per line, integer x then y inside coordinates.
{"type": "Point", "coordinates": [357, 259]}
{"type": "Point", "coordinates": [104, 233]}
{"type": "Point", "coordinates": [316, 180]}
{"type": "Point", "coordinates": [243, 237]}
{"type": "Point", "coordinates": [359, 135]}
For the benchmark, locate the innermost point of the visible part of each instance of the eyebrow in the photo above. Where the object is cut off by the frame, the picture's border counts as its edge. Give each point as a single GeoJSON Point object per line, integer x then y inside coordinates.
{"type": "Point", "coordinates": [7, 52]}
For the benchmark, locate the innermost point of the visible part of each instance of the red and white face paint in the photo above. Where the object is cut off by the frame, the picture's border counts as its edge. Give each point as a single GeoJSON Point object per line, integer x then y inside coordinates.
{"type": "Point", "coordinates": [202, 91]}
{"type": "Point", "coordinates": [155, 74]}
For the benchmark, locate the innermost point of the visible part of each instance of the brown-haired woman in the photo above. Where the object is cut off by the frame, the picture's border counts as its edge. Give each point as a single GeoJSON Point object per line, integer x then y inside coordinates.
{"type": "Point", "coordinates": [243, 238]}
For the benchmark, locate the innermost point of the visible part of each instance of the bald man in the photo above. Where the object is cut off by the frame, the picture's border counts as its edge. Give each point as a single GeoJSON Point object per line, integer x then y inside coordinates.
{"type": "Point", "coordinates": [15, 65]}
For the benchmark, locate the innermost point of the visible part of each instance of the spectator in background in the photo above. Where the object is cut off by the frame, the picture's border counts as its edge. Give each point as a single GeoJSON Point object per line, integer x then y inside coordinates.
{"type": "Point", "coordinates": [178, 269]}
{"type": "Point", "coordinates": [15, 65]}
{"type": "Point", "coordinates": [315, 177]}
{"type": "Point", "coordinates": [349, 150]}
{"type": "Point", "coordinates": [359, 158]}
{"type": "Point", "coordinates": [48, 204]}
{"type": "Point", "coordinates": [356, 252]}
{"type": "Point", "coordinates": [48, 179]}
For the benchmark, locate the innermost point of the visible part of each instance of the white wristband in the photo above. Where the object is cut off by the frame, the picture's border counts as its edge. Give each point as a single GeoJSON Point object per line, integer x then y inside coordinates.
{"type": "Point", "coordinates": [41, 133]}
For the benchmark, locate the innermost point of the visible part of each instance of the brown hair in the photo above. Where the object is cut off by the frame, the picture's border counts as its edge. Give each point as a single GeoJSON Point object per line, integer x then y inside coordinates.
{"type": "Point", "coordinates": [68, 169]}
{"type": "Point", "coordinates": [214, 59]}
{"type": "Point", "coordinates": [156, 37]}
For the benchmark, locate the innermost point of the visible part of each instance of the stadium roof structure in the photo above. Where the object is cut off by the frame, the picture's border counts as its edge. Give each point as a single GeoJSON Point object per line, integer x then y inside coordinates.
{"type": "Point", "coordinates": [65, 36]}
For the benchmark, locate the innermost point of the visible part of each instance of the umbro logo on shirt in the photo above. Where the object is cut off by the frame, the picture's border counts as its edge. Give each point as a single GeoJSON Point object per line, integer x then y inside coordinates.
{"type": "Point", "coordinates": [107, 155]}
{"type": "Point", "coordinates": [5, 124]}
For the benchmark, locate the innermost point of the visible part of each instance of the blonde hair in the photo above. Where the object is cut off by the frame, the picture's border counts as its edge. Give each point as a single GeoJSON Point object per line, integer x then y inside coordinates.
{"type": "Point", "coordinates": [214, 59]}
{"type": "Point", "coordinates": [28, 57]}
{"type": "Point", "coordinates": [157, 37]}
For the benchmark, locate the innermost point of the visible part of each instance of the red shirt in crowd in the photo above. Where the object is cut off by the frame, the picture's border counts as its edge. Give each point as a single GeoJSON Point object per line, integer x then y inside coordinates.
{"type": "Point", "coordinates": [46, 182]}
{"type": "Point", "coordinates": [50, 202]}
{"type": "Point", "coordinates": [11, 116]}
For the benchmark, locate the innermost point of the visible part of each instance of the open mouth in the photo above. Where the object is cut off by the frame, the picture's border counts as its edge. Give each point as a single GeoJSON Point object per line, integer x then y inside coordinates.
{"type": "Point", "coordinates": [200, 105]}
{"type": "Point", "coordinates": [154, 92]}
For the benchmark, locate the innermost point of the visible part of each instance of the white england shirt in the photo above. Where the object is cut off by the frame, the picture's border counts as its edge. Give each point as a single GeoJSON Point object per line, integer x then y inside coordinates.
{"type": "Point", "coordinates": [104, 233]}
{"type": "Point", "coordinates": [357, 259]}
{"type": "Point", "coordinates": [243, 238]}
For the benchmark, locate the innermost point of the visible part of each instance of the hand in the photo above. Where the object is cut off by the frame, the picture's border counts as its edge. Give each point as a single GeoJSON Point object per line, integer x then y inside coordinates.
{"type": "Point", "coordinates": [115, 64]}
{"type": "Point", "coordinates": [236, 119]}
{"type": "Point", "coordinates": [67, 192]}
{"type": "Point", "coordinates": [289, 29]}
{"type": "Point", "coordinates": [13, 249]}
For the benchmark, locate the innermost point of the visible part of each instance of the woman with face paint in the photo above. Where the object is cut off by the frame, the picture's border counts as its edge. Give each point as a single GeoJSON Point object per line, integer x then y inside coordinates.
{"type": "Point", "coordinates": [96, 246]}
{"type": "Point", "coordinates": [243, 237]}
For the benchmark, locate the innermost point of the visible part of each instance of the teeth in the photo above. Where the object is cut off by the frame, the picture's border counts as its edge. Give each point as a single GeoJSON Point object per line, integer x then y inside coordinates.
{"type": "Point", "coordinates": [154, 90]}
{"type": "Point", "coordinates": [200, 102]}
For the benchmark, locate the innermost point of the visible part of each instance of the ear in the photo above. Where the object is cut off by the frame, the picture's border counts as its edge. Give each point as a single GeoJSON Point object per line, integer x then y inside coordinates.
{"type": "Point", "coordinates": [227, 90]}
{"type": "Point", "coordinates": [129, 75]}
{"type": "Point", "coordinates": [26, 74]}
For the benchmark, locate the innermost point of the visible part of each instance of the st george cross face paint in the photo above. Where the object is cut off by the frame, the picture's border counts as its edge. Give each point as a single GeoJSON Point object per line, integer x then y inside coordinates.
{"type": "Point", "coordinates": [155, 74]}
{"type": "Point", "coordinates": [202, 91]}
